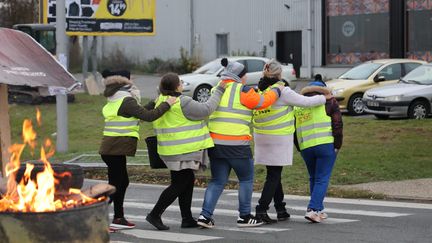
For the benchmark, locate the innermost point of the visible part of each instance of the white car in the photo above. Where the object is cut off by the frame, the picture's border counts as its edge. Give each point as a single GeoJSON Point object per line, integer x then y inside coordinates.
{"type": "Point", "coordinates": [199, 83]}
{"type": "Point", "coordinates": [411, 96]}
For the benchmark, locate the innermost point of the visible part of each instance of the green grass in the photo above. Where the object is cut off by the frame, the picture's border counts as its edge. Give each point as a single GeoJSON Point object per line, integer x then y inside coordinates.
{"type": "Point", "coordinates": [373, 150]}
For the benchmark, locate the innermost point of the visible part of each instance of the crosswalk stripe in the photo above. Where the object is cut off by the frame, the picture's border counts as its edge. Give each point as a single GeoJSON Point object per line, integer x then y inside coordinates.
{"type": "Point", "coordinates": [363, 202]}
{"type": "Point", "coordinates": [227, 212]}
{"type": "Point", "coordinates": [357, 212]}
{"type": "Point", "coordinates": [168, 236]}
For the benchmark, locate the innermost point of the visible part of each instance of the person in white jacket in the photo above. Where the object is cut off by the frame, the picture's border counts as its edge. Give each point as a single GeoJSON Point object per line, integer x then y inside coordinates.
{"type": "Point", "coordinates": [273, 139]}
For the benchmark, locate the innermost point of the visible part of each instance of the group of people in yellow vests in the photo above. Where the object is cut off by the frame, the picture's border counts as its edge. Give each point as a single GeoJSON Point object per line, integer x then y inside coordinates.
{"type": "Point", "coordinates": [217, 134]}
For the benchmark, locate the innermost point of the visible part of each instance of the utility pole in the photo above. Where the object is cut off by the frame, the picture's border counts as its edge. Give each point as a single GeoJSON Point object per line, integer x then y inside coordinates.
{"type": "Point", "coordinates": [61, 98]}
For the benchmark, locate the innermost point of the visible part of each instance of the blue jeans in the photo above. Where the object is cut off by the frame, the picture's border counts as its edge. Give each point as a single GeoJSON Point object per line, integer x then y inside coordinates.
{"type": "Point", "coordinates": [220, 170]}
{"type": "Point", "coordinates": [319, 162]}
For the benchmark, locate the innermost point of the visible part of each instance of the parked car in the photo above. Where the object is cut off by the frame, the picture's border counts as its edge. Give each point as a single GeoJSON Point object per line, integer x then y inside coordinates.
{"type": "Point", "coordinates": [410, 97]}
{"type": "Point", "coordinates": [349, 88]}
{"type": "Point", "coordinates": [199, 83]}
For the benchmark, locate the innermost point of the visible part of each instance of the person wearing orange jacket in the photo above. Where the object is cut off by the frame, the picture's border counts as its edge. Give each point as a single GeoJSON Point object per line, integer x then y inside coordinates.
{"type": "Point", "coordinates": [229, 127]}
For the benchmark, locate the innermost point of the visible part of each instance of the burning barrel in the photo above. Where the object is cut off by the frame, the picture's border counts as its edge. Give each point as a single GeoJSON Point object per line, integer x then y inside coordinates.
{"type": "Point", "coordinates": [88, 223]}
{"type": "Point", "coordinates": [33, 210]}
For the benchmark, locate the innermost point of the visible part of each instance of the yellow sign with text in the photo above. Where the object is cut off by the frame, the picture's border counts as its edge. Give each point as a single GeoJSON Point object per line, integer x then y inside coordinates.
{"type": "Point", "coordinates": [105, 17]}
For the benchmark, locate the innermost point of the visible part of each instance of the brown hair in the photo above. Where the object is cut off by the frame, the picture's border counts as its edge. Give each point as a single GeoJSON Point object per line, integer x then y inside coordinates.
{"type": "Point", "coordinates": [169, 84]}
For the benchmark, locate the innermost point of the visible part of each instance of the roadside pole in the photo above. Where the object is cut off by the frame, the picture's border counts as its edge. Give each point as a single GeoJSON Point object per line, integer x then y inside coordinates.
{"type": "Point", "coordinates": [61, 98]}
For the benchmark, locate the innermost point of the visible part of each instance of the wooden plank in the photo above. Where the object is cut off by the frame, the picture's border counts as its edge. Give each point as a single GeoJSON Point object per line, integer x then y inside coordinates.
{"type": "Point", "coordinates": [5, 132]}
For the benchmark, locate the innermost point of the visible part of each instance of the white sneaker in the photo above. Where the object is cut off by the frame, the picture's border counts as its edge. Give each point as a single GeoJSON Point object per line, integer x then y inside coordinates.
{"type": "Point", "coordinates": [313, 216]}
{"type": "Point", "coordinates": [322, 215]}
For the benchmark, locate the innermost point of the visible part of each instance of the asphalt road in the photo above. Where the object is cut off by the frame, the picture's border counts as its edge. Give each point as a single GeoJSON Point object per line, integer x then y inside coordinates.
{"type": "Point", "coordinates": [349, 220]}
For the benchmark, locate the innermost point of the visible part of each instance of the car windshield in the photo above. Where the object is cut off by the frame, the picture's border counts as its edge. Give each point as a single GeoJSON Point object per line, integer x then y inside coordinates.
{"type": "Point", "coordinates": [362, 71]}
{"type": "Point", "coordinates": [420, 75]}
{"type": "Point", "coordinates": [209, 68]}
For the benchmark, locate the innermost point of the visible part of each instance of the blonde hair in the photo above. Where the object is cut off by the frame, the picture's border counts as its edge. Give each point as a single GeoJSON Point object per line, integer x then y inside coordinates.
{"type": "Point", "coordinates": [272, 69]}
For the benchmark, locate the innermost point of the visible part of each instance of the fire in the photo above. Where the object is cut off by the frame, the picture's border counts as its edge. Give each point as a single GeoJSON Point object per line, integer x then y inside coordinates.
{"type": "Point", "coordinates": [36, 195]}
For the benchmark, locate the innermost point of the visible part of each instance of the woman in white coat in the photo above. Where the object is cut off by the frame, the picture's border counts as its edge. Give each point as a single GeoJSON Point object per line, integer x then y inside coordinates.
{"type": "Point", "coordinates": [273, 139]}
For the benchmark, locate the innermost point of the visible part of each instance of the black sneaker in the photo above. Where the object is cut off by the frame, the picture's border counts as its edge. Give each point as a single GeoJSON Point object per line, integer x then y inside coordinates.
{"type": "Point", "coordinates": [189, 223]}
{"type": "Point", "coordinates": [205, 222]}
{"type": "Point", "coordinates": [156, 222]}
{"type": "Point", "coordinates": [248, 221]}
{"type": "Point", "coordinates": [282, 216]}
{"type": "Point", "coordinates": [265, 218]}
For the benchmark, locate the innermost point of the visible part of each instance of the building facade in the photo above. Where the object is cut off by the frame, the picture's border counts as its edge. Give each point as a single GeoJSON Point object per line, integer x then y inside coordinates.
{"type": "Point", "coordinates": [317, 36]}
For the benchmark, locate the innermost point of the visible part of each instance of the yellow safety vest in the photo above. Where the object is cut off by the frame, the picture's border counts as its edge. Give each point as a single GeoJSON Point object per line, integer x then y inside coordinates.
{"type": "Point", "coordinates": [274, 121]}
{"type": "Point", "coordinates": [231, 117]}
{"type": "Point", "coordinates": [178, 135]}
{"type": "Point", "coordinates": [313, 126]}
{"type": "Point", "coordinates": [119, 126]}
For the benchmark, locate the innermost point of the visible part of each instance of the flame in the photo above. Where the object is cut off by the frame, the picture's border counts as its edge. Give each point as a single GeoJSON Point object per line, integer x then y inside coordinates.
{"type": "Point", "coordinates": [38, 117]}
{"type": "Point", "coordinates": [36, 195]}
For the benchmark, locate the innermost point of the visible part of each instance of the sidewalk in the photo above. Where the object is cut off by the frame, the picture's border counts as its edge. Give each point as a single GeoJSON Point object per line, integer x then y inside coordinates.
{"type": "Point", "coordinates": [419, 189]}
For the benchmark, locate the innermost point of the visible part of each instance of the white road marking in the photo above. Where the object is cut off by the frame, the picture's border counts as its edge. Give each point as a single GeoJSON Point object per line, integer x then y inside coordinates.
{"type": "Point", "coordinates": [168, 236]}
{"type": "Point", "coordinates": [227, 212]}
{"type": "Point", "coordinates": [364, 202]}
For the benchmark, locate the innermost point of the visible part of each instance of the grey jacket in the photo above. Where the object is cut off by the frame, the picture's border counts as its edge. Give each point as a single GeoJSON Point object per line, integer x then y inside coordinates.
{"type": "Point", "coordinates": [194, 110]}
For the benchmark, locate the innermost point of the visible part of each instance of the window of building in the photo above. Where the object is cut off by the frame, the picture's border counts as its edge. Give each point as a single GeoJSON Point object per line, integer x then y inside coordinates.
{"type": "Point", "coordinates": [357, 31]}
{"type": "Point", "coordinates": [221, 45]}
{"type": "Point", "coordinates": [419, 24]}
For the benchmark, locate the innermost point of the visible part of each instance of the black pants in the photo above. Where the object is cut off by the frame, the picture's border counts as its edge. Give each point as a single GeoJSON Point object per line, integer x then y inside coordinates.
{"type": "Point", "coordinates": [272, 190]}
{"type": "Point", "coordinates": [118, 177]}
{"type": "Point", "coordinates": [182, 184]}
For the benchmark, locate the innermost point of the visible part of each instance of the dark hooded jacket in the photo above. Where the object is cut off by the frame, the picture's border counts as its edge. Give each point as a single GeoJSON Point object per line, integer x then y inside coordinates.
{"type": "Point", "coordinates": [129, 108]}
{"type": "Point", "coordinates": [332, 110]}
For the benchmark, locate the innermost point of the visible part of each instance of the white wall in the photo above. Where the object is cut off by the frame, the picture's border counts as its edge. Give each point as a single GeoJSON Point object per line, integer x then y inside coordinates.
{"type": "Point", "coordinates": [250, 24]}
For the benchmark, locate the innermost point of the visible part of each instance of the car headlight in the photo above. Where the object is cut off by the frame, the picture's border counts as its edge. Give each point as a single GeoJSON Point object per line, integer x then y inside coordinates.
{"type": "Point", "coordinates": [393, 98]}
{"type": "Point", "coordinates": [337, 92]}
{"type": "Point", "coordinates": [185, 83]}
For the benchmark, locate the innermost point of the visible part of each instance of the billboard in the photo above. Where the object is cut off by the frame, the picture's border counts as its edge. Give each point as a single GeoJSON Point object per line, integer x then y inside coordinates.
{"type": "Point", "coordinates": [105, 17]}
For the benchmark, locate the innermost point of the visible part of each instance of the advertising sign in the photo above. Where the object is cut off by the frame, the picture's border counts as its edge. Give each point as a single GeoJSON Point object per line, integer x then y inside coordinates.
{"type": "Point", "coordinates": [105, 17]}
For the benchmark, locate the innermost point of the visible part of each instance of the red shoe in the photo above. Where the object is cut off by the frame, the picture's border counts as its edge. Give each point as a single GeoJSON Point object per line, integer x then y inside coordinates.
{"type": "Point", "coordinates": [122, 223]}
{"type": "Point", "coordinates": [111, 230]}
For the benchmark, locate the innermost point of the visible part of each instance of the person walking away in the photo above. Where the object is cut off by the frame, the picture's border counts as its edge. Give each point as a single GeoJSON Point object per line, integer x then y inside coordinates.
{"type": "Point", "coordinates": [229, 127]}
{"type": "Point", "coordinates": [122, 114]}
{"type": "Point", "coordinates": [273, 139]}
{"type": "Point", "coordinates": [183, 138]}
{"type": "Point", "coordinates": [318, 138]}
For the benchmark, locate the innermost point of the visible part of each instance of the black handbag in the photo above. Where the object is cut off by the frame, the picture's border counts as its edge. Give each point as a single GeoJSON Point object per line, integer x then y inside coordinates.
{"type": "Point", "coordinates": [155, 161]}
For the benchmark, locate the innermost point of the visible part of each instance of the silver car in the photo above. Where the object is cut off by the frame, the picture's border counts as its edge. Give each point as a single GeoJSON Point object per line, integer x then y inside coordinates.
{"type": "Point", "coordinates": [410, 97]}
{"type": "Point", "coordinates": [199, 83]}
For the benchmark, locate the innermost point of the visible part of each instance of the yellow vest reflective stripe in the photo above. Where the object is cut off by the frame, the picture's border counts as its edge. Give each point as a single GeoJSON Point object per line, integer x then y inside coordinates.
{"type": "Point", "coordinates": [231, 117]}
{"type": "Point", "coordinates": [178, 135]}
{"type": "Point", "coordinates": [313, 126]}
{"type": "Point", "coordinates": [274, 121]}
{"type": "Point", "coordinates": [119, 126]}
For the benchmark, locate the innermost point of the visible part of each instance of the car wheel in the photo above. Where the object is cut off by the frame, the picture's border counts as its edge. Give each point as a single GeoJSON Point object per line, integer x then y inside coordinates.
{"type": "Point", "coordinates": [418, 110]}
{"type": "Point", "coordinates": [202, 93]}
{"type": "Point", "coordinates": [356, 105]}
{"type": "Point", "coordinates": [383, 117]}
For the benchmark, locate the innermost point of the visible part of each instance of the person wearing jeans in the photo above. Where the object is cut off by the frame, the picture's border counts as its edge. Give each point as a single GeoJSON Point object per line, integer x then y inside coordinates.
{"type": "Point", "coordinates": [221, 168]}
{"type": "Point", "coordinates": [319, 138]}
{"type": "Point", "coordinates": [229, 128]}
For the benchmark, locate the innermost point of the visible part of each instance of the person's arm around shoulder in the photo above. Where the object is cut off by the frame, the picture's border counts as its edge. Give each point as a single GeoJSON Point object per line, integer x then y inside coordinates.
{"type": "Point", "coordinates": [253, 100]}
{"type": "Point", "coordinates": [131, 108]}
{"type": "Point", "coordinates": [194, 110]}
{"type": "Point", "coordinates": [290, 97]}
